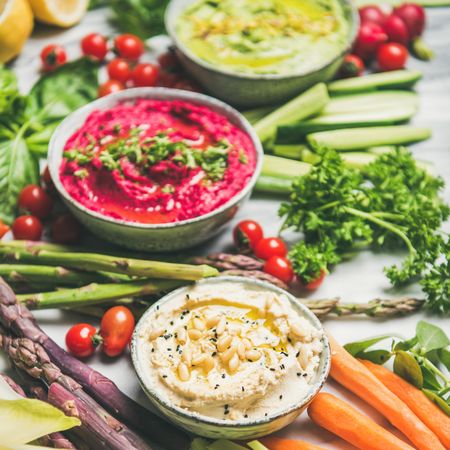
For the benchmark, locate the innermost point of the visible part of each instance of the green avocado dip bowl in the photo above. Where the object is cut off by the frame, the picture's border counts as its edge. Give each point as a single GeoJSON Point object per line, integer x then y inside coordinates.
{"type": "Point", "coordinates": [252, 53]}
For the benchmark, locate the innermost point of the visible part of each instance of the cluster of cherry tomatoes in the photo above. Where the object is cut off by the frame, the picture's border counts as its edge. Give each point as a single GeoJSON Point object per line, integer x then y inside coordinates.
{"type": "Point", "coordinates": [384, 37]}
{"type": "Point", "coordinates": [116, 329]}
{"type": "Point", "coordinates": [36, 206]}
{"type": "Point", "coordinates": [248, 235]}
{"type": "Point", "coordinates": [124, 70]}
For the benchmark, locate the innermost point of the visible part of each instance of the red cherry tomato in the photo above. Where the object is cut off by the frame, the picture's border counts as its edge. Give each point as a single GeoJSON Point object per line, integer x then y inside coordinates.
{"type": "Point", "coordinates": [352, 66]}
{"type": "Point", "coordinates": [94, 45]}
{"type": "Point", "coordinates": [65, 229]}
{"type": "Point", "coordinates": [53, 56]}
{"type": "Point", "coordinates": [28, 228]}
{"type": "Point", "coordinates": [314, 284]}
{"type": "Point", "coordinates": [280, 267]}
{"type": "Point", "coordinates": [81, 340]}
{"type": "Point", "coordinates": [119, 69]}
{"type": "Point", "coordinates": [34, 200]}
{"type": "Point", "coordinates": [145, 74]}
{"type": "Point", "coordinates": [372, 13]}
{"type": "Point", "coordinates": [370, 37]}
{"type": "Point", "coordinates": [413, 16]}
{"type": "Point", "coordinates": [247, 234]}
{"type": "Point", "coordinates": [168, 79]}
{"type": "Point", "coordinates": [168, 61]}
{"type": "Point", "coordinates": [109, 87]}
{"type": "Point", "coordinates": [129, 46]}
{"type": "Point", "coordinates": [392, 56]}
{"type": "Point", "coordinates": [116, 329]}
{"type": "Point", "coordinates": [3, 229]}
{"type": "Point", "coordinates": [396, 30]}
{"type": "Point", "coordinates": [271, 246]}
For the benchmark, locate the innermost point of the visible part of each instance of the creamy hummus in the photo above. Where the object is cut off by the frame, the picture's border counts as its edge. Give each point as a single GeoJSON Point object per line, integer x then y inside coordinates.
{"type": "Point", "coordinates": [265, 36]}
{"type": "Point", "coordinates": [156, 161]}
{"type": "Point", "coordinates": [230, 351]}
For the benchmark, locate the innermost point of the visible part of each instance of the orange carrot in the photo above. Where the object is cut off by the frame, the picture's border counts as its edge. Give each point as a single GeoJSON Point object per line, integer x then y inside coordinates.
{"type": "Point", "coordinates": [274, 443]}
{"type": "Point", "coordinates": [356, 377]}
{"type": "Point", "coordinates": [340, 418]}
{"type": "Point", "coordinates": [428, 412]}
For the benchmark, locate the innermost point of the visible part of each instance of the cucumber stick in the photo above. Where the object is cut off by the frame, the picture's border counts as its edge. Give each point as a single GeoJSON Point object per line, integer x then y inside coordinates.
{"type": "Point", "coordinates": [282, 167]}
{"type": "Point", "coordinates": [386, 80]}
{"type": "Point", "coordinates": [305, 105]}
{"type": "Point", "coordinates": [360, 138]}
{"type": "Point", "coordinates": [273, 185]}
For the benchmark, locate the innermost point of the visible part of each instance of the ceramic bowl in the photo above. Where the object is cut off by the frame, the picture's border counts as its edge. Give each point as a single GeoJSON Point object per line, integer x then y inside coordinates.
{"type": "Point", "coordinates": [217, 428]}
{"type": "Point", "coordinates": [151, 237]}
{"type": "Point", "coordinates": [252, 90]}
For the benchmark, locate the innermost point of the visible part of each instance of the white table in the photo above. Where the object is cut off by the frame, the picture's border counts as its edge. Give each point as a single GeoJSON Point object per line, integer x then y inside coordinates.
{"type": "Point", "coordinates": [360, 279]}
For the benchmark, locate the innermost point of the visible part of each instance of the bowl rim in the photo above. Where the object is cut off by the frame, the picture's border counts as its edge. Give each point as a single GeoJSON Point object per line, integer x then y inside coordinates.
{"type": "Point", "coordinates": [56, 148]}
{"type": "Point", "coordinates": [173, 10]}
{"type": "Point", "coordinates": [155, 397]}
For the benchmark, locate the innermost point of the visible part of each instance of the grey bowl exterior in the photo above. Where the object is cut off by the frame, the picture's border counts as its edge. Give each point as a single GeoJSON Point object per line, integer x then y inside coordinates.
{"type": "Point", "coordinates": [151, 237]}
{"type": "Point", "coordinates": [217, 428]}
{"type": "Point", "coordinates": [249, 90]}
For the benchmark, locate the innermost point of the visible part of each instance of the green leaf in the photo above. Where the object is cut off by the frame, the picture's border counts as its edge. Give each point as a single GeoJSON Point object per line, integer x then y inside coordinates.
{"type": "Point", "coordinates": [429, 379]}
{"type": "Point", "coordinates": [355, 348]}
{"type": "Point", "coordinates": [408, 368]}
{"type": "Point", "coordinates": [434, 397]}
{"type": "Point", "coordinates": [8, 89]}
{"type": "Point", "coordinates": [406, 345]}
{"type": "Point", "coordinates": [444, 357]}
{"type": "Point", "coordinates": [64, 90]}
{"type": "Point", "coordinates": [18, 168]}
{"type": "Point", "coordinates": [431, 337]}
{"type": "Point", "coordinates": [376, 356]}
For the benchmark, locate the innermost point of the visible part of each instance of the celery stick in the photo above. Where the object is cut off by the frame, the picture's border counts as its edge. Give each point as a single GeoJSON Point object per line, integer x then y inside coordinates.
{"type": "Point", "coordinates": [360, 138]}
{"type": "Point", "coordinates": [273, 185]}
{"type": "Point", "coordinates": [223, 444]}
{"type": "Point", "coordinates": [256, 445]}
{"type": "Point", "coordinates": [395, 79]}
{"type": "Point", "coordinates": [305, 105]}
{"type": "Point", "coordinates": [282, 167]}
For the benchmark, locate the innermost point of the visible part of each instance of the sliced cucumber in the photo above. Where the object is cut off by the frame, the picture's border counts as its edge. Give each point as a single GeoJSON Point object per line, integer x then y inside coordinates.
{"type": "Point", "coordinates": [273, 185]}
{"type": "Point", "coordinates": [275, 166]}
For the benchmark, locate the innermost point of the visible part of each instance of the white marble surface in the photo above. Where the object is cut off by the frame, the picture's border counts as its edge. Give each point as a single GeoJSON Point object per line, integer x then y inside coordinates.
{"type": "Point", "coordinates": [358, 280]}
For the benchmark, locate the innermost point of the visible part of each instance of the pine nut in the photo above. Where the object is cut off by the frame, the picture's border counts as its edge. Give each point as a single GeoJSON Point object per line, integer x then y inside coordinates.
{"type": "Point", "coordinates": [186, 356]}
{"type": "Point", "coordinates": [241, 350]}
{"type": "Point", "coordinates": [297, 331]}
{"type": "Point", "coordinates": [156, 333]}
{"type": "Point", "coordinates": [303, 357]}
{"type": "Point", "coordinates": [194, 334]}
{"type": "Point", "coordinates": [212, 321]}
{"type": "Point", "coordinates": [208, 364]}
{"type": "Point", "coordinates": [224, 342]}
{"type": "Point", "coordinates": [247, 343]}
{"type": "Point", "coordinates": [228, 354]}
{"type": "Point", "coordinates": [198, 360]}
{"type": "Point", "coordinates": [221, 326]}
{"type": "Point", "coordinates": [183, 372]}
{"type": "Point", "coordinates": [253, 355]}
{"type": "Point", "coordinates": [234, 363]}
{"type": "Point", "coordinates": [181, 335]}
{"type": "Point", "coordinates": [199, 324]}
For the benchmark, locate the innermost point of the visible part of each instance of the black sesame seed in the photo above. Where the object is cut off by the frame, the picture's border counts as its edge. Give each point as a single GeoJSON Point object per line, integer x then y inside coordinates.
{"type": "Point", "coordinates": [164, 376]}
{"type": "Point", "coordinates": [243, 389]}
{"type": "Point", "coordinates": [299, 374]}
{"type": "Point", "coordinates": [171, 322]}
{"type": "Point", "coordinates": [280, 397]}
{"type": "Point", "coordinates": [223, 375]}
{"type": "Point", "coordinates": [226, 412]}
{"type": "Point", "coordinates": [245, 415]}
{"type": "Point", "coordinates": [213, 353]}
{"type": "Point", "coordinates": [297, 354]}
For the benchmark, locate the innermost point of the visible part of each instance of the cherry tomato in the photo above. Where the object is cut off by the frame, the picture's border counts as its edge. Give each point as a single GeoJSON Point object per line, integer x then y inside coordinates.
{"type": "Point", "coordinates": [372, 13]}
{"type": "Point", "coordinates": [280, 267]}
{"type": "Point", "coordinates": [53, 56]}
{"type": "Point", "coordinates": [314, 284]}
{"type": "Point", "coordinates": [145, 74]}
{"type": "Point", "coordinates": [396, 30]}
{"type": "Point", "coordinates": [370, 37]}
{"type": "Point", "coordinates": [81, 340]}
{"type": "Point", "coordinates": [28, 228]}
{"type": "Point", "coordinates": [3, 229]}
{"type": "Point", "coordinates": [119, 69]}
{"type": "Point", "coordinates": [129, 46]}
{"type": "Point", "coordinates": [34, 200]}
{"type": "Point", "coordinates": [109, 87]}
{"type": "Point", "coordinates": [352, 66]}
{"type": "Point", "coordinates": [94, 45]}
{"type": "Point", "coordinates": [247, 234]}
{"type": "Point", "coordinates": [65, 229]}
{"type": "Point", "coordinates": [168, 61]}
{"type": "Point", "coordinates": [392, 56]}
{"type": "Point", "coordinates": [271, 246]}
{"type": "Point", "coordinates": [168, 79]}
{"type": "Point", "coordinates": [116, 328]}
{"type": "Point", "coordinates": [413, 16]}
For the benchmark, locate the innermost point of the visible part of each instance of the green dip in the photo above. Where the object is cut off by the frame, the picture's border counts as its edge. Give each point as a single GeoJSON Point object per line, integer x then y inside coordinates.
{"type": "Point", "coordinates": [264, 36]}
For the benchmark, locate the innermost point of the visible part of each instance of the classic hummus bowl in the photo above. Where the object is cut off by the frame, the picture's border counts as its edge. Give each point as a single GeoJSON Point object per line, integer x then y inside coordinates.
{"type": "Point", "coordinates": [251, 53]}
{"type": "Point", "coordinates": [155, 169]}
{"type": "Point", "coordinates": [230, 357]}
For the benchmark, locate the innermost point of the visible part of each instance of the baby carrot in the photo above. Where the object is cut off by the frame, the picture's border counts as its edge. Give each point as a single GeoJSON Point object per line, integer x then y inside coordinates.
{"type": "Point", "coordinates": [353, 375]}
{"type": "Point", "coordinates": [340, 418]}
{"type": "Point", "coordinates": [274, 443]}
{"type": "Point", "coordinates": [429, 413]}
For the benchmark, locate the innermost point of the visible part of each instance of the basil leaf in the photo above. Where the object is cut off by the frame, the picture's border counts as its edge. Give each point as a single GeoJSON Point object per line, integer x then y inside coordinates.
{"type": "Point", "coordinates": [18, 168]}
{"type": "Point", "coordinates": [355, 348]}
{"type": "Point", "coordinates": [64, 90]}
{"type": "Point", "coordinates": [376, 356]}
{"type": "Point", "coordinates": [406, 345]}
{"type": "Point", "coordinates": [8, 89]}
{"type": "Point", "coordinates": [434, 397]}
{"type": "Point", "coordinates": [408, 368]}
{"type": "Point", "coordinates": [431, 337]}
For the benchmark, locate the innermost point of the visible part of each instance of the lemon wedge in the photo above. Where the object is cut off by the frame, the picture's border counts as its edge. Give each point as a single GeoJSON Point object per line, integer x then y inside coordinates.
{"type": "Point", "coordinates": [63, 13]}
{"type": "Point", "coordinates": [16, 24]}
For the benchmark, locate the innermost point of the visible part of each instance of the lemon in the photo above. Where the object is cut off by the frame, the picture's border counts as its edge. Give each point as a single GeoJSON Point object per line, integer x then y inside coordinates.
{"type": "Point", "coordinates": [16, 24]}
{"type": "Point", "coordinates": [63, 13]}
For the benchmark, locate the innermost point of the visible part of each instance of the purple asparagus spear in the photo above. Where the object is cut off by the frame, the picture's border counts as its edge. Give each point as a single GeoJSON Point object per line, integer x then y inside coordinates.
{"type": "Point", "coordinates": [17, 318]}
